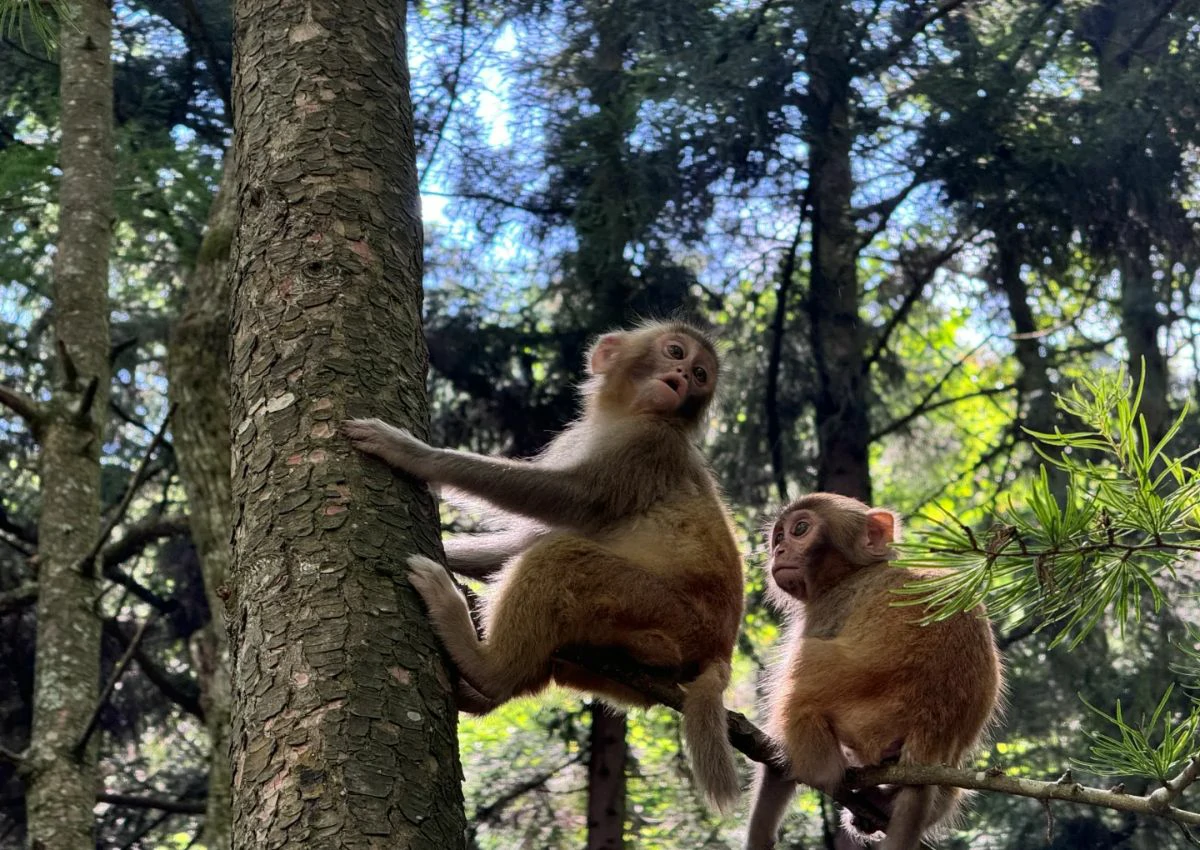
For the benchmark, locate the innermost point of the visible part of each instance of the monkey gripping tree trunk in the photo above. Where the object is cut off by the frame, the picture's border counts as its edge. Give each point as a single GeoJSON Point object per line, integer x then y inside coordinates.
{"type": "Point", "coordinates": [62, 777]}
{"type": "Point", "coordinates": [343, 724]}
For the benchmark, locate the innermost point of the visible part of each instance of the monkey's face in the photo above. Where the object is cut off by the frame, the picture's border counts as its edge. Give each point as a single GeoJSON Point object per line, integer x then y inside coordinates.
{"type": "Point", "coordinates": [676, 375]}
{"type": "Point", "coordinates": [796, 545]}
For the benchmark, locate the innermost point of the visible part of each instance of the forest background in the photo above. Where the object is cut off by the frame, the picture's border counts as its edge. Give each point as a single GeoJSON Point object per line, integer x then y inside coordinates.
{"type": "Point", "coordinates": [911, 225]}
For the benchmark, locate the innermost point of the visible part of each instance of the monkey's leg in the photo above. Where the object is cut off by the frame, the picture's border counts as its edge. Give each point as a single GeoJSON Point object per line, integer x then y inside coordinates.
{"type": "Point", "coordinates": [565, 591]}
{"type": "Point", "coordinates": [816, 756]}
{"type": "Point", "coordinates": [772, 793]}
{"type": "Point", "coordinates": [912, 812]}
{"type": "Point", "coordinates": [451, 620]}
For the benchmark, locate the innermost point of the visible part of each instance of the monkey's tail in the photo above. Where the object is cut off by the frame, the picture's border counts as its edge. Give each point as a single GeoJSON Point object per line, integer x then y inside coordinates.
{"type": "Point", "coordinates": [707, 732]}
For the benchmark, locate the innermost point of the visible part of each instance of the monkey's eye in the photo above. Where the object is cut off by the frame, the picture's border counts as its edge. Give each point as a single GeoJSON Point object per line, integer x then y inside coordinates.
{"type": "Point", "coordinates": [701, 375]}
{"type": "Point", "coordinates": [777, 538]}
{"type": "Point", "coordinates": [675, 351]}
{"type": "Point", "coordinates": [800, 528]}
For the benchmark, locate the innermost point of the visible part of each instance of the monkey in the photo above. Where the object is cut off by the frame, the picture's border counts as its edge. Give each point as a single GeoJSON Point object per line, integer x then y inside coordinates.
{"type": "Point", "coordinates": [861, 681]}
{"type": "Point", "coordinates": [623, 543]}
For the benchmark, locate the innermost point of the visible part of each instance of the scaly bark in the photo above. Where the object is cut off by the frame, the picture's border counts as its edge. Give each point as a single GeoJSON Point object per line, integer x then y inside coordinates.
{"type": "Point", "coordinates": [61, 790]}
{"type": "Point", "coordinates": [343, 723]}
{"type": "Point", "coordinates": [198, 370]}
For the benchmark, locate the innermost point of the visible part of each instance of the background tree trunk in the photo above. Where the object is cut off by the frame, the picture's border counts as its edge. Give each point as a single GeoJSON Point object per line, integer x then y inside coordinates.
{"type": "Point", "coordinates": [198, 373]}
{"type": "Point", "coordinates": [61, 790]}
{"type": "Point", "coordinates": [841, 404]}
{"type": "Point", "coordinates": [343, 722]}
{"type": "Point", "coordinates": [607, 753]}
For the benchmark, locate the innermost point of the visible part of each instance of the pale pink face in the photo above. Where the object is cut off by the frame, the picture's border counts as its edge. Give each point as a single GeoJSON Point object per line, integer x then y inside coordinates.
{"type": "Point", "coordinates": [681, 370]}
{"type": "Point", "coordinates": [792, 538]}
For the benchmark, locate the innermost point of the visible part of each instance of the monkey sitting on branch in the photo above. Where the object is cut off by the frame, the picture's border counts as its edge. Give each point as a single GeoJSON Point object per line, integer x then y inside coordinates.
{"type": "Point", "coordinates": [623, 544]}
{"type": "Point", "coordinates": [861, 676]}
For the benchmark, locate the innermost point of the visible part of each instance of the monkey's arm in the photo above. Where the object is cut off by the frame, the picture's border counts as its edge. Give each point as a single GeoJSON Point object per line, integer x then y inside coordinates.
{"type": "Point", "coordinates": [554, 496]}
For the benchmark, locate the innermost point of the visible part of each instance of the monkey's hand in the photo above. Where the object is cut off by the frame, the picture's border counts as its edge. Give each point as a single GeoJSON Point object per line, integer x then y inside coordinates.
{"type": "Point", "coordinates": [394, 446]}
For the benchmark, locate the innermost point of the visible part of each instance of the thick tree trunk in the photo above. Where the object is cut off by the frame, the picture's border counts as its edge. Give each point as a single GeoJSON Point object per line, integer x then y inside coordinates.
{"type": "Point", "coordinates": [199, 388]}
{"type": "Point", "coordinates": [841, 401]}
{"type": "Point", "coordinates": [61, 791]}
{"type": "Point", "coordinates": [607, 752]}
{"type": "Point", "coordinates": [343, 722]}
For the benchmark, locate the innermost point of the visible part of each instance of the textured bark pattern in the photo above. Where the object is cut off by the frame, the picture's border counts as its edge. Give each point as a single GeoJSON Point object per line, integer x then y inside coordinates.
{"type": "Point", "coordinates": [606, 780]}
{"type": "Point", "coordinates": [343, 723]}
{"type": "Point", "coordinates": [61, 793]}
{"type": "Point", "coordinates": [837, 334]}
{"type": "Point", "coordinates": [199, 389]}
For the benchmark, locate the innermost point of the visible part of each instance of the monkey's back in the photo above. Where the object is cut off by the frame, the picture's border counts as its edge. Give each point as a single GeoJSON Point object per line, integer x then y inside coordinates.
{"type": "Point", "coordinates": [891, 679]}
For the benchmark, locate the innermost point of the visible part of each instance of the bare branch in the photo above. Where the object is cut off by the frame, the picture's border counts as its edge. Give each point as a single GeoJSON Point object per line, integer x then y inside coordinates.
{"type": "Point", "coordinates": [140, 535]}
{"type": "Point", "coordinates": [787, 274]}
{"type": "Point", "coordinates": [130, 801]}
{"type": "Point", "coordinates": [87, 564]}
{"type": "Point", "coordinates": [883, 58]}
{"type": "Point", "coordinates": [994, 780]}
{"type": "Point", "coordinates": [178, 689]}
{"type": "Point", "coordinates": [25, 407]}
{"type": "Point", "coordinates": [18, 597]}
{"type": "Point", "coordinates": [14, 758]}
{"type": "Point", "coordinates": [117, 673]}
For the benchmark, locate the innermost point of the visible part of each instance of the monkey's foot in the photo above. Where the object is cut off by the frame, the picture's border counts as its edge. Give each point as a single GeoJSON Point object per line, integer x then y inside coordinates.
{"type": "Point", "coordinates": [431, 580]}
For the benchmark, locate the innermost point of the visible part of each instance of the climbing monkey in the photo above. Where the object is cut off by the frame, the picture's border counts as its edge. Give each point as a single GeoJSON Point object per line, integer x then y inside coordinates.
{"type": "Point", "coordinates": [861, 677]}
{"type": "Point", "coordinates": [619, 541]}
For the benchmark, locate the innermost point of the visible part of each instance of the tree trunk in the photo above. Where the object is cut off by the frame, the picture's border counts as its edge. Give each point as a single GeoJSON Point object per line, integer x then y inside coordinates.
{"type": "Point", "coordinates": [199, 388]}
{"type": "Point", "coordinates": [607, 752]}
{"type": "Point", "coordinates": [343, 723]}
{"type": "Point", "coordinates": [1035, 390]}
{"type": "Point", "coordinates": [840, 406]}
{"type": "Point", "coordinates": [1140, 323]}
{"type": "Point", "coordinates": [62, 786]}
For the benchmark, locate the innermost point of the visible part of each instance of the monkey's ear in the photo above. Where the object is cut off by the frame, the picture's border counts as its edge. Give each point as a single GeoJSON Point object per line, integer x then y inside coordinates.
{"type": "Point", "coordinates": [604, 353]}
{"type": "Point", "coordinates": [883, 528]}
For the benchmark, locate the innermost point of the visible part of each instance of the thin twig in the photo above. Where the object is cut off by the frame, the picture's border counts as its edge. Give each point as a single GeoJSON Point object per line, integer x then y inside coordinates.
{"type": "Point", "coordinates": [118, 671]}
{"type": "Point", "coordinates": [87, 564]}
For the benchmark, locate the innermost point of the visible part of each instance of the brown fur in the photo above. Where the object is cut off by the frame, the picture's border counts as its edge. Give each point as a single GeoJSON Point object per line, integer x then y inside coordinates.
{"type": "Point", "coordinates": [863, 676]}
{"type": "Point", "coordinates": [621, 542]}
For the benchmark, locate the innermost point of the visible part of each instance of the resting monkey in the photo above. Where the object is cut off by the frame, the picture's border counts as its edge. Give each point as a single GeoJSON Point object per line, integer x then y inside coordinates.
{"type": "Point", "coordinates": [862, 676]}
{"type": "Point", "coordinates": [623, 543]}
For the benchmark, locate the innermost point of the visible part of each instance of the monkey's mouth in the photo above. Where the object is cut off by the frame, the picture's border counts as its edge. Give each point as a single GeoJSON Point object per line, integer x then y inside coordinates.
{"type": "Point", "coordinates": [677, 384]}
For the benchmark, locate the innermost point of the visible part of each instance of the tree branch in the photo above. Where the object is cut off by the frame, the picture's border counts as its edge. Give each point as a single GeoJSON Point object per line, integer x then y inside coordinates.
{"type": "Point", "coordinates": [771, 401]}
{"type": "Point", "coordinates": [130, 801]}
{"type": "Point", "coordinates": [178, 689]}
{"type": "Point", "coordinates": [995, 780]}
{"type": "Point", "coordinates": [118, 671]}
{"type": "Point", "coordinates": [883, 58]}
{"type": "Point", "coordinates": [87, 564]}
{"type": "Point", "coordinates": [1174, 787]}
{"type": "Point", "coordinates": [140, 535]}
{"type": "Point", "coordinates": [18, 597]}
{"type": "Point", "coordinates": [25, 407]}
